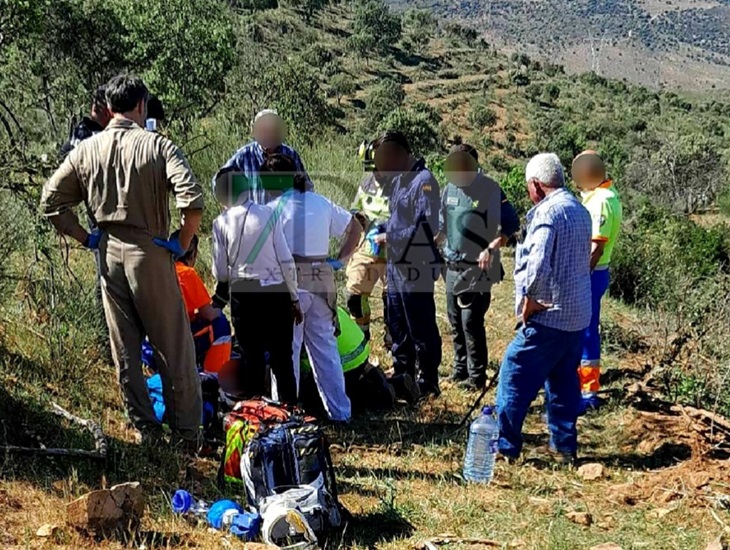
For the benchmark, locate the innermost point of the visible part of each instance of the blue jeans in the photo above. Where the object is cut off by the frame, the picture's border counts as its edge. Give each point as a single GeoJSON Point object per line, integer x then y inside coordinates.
{"type": "Point", "coordinates": [592, 338]}
{"type": "Point", "coordinates": [540, 356]}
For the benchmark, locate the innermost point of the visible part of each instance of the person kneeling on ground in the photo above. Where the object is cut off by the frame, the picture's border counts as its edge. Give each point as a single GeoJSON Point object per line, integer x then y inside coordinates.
{"type": "Point", "coordinates": [553, 301]}
{"type": "Point", "coordinates": [211, 330]}
{"type": "Point", "coordinates": [365, 384]}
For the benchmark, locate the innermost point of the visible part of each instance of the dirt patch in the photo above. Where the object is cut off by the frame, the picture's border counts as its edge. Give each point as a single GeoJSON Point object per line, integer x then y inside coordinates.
{"type": "Point", "coordinates": [696, 482]}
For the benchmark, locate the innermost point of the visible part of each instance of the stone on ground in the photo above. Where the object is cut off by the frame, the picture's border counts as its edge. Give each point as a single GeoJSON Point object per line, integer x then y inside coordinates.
{"type": "Point", "coordinates": [108, 511]}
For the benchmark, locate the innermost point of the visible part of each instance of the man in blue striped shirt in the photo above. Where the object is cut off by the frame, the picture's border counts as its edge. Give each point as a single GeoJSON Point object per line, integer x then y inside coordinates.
{"type": "Point", "coordinates": [269, 131]}
{"type": "Point", "coordinates": [553, 302]}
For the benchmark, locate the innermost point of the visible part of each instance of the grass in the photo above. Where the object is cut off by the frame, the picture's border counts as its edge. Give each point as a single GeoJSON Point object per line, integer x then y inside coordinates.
{"type": "Point", "coordinates": [399, 473]}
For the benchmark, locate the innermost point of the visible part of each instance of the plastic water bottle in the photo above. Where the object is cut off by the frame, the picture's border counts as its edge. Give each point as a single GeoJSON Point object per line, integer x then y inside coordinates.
{"type": "Point", "coordinates": [481, 450]}
{"type": "Point", "coordinates": [184, 503]}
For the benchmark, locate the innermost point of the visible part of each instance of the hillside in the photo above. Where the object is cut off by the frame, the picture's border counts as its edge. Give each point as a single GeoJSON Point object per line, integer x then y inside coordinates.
{"type": "Point", "coordinates": [664, 480]}
{"type": "Point", "coordinates": [657, 43]}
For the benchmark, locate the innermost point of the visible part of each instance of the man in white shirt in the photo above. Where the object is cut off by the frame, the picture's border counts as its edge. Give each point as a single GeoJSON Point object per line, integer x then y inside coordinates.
{"type": "Point", "coordinates": [254, 266]}
{"type": "Point", "coordinates": [309, 222]}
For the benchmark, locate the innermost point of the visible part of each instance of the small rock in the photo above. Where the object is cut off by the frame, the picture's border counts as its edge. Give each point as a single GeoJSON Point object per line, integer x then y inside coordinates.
{"type": "Point", "coordinates": [118, 509]}
{"type": "Point", "coordinates": [591, 472]}
{"type": "Point", "coordinates": [607, 546]}
{"type": "Point", "coordinates": [659, 513]}
{"type": "Point", "coordinates": [720, 543]}
{"type": "Point", "coordinates": [47, 530]}
{"type": "Point", "coordinates": [699, 479]}
{"type": "Point", "coordinates": [581, 518]}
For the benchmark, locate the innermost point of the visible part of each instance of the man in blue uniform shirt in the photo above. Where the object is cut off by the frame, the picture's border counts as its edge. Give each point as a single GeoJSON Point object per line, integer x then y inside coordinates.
{"type": "Point", "coordinates": [476, 221]}
{"type": "Point", "coordinates": [413, 260]}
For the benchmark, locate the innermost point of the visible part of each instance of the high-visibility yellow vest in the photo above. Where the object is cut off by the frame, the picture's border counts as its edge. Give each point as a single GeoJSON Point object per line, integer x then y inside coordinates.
{"type": "Point", "coordinates": [354, 349]}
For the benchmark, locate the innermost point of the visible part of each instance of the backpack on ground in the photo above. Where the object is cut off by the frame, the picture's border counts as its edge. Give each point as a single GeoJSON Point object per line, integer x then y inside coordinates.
{"type": "Point", "coordinates": [288, 461]}
{"type": "Point", "coordinates": [246, 419]}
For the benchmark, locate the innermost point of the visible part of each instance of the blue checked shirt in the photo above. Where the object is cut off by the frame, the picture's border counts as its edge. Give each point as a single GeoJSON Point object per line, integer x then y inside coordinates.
{"type": "Point", "coordinates": [248, 161]}
{"type": "Point", "coordinates": [552, 263]}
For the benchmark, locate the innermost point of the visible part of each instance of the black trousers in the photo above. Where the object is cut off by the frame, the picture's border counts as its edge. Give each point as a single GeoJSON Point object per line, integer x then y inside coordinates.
{"type": "Point", "coordinates": [262, 319]}
{"type": "Point", "coordinates": [412, 324]}
{"type": "Point", "coordinates": [466, 316]}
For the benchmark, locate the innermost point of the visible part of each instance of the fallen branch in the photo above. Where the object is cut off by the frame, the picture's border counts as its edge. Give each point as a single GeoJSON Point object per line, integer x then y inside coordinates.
{"type": "Point", "coordinates": [93, 427]}
{"type": "Point", "coordinates": [99, 451]}
{"type": "Point", "coordinates": [434, 542]}
{"type": "Point", "coordinates": [52, 452]}
{"type": "Point", "coordinates": [715, 420]}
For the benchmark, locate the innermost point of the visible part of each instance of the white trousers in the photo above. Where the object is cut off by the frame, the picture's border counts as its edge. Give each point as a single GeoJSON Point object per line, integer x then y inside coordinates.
{"type": "Point", "coordinates": [317, 333]}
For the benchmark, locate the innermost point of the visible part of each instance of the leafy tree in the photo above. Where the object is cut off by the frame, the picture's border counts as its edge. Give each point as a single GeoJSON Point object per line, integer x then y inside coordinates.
{"type": "Point", "coordinates": [20, 20]}
{"type": "Point", "coordinates": [308, 7]}
{"type": "Point", "coordinates": [684, 171]}
{"type": "Point", "coordinates": [420, 26]}
{"type": "Point", "coordinates": [377, 29]}
{"type": "Point", "coordinates": [255, 5]}
{"type": "Point", "coordinates": [86, 36]}
{"type": "Point", "coordinates": [420, 124]}
{"type": "Point", "coordinates": [514, 187]}
{"type": "Point", "coordinates": [362, 45]}
{"type": "Point", "coordinates": [288, 85]}
{"type": "Point", "coordinates": [317, 55]}
{"type": "Point", "coordinates": [157, 34]}
{"type": "Point", "coordinates": [341, 85]}
{"type": "Point", "coordinates": [384, 99]}
{"type": "Point", "coordinates": [460, 33]}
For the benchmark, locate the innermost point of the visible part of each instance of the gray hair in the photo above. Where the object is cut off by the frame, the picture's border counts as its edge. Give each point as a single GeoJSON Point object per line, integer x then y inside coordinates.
{"type": "Point", "coordinates": [265, 112]}
{"type": "Point", "coordinates": [547, 169]}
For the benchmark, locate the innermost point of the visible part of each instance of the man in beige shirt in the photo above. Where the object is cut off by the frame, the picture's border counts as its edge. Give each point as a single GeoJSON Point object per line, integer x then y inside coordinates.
{"type": "Point", "coordinates": [124, 175]}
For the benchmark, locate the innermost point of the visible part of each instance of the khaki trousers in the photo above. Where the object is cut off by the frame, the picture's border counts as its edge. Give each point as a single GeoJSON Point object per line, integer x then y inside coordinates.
{"type": "Point", "coordinates": [142, 298]}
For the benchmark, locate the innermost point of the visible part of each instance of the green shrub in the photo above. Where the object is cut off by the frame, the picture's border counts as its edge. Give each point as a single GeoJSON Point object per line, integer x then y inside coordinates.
{"type": "Point", "coordinates": [481, 115]}
{"type": "Point", "coordinates": [514, 187]}
{"type": "Point", "coordinates": [383, 100]}
{"type": "Point", "coordinates": [420, 124]}
{"type": "Point", "coordinates": [657, 248]}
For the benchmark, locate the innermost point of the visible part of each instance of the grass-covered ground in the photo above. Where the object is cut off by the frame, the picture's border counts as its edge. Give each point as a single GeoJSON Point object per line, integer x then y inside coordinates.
{"type": "Point", "coordinates": [399, 473]}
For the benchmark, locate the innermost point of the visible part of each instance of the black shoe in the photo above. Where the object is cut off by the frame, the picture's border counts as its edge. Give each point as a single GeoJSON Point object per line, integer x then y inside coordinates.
{"type": "Point", "coordinates": [405, 388]}
{"type": "Point", "coordinates": [428, 389]}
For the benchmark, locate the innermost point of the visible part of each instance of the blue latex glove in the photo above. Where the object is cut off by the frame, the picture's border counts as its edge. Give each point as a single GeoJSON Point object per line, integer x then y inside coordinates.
{"type": "Point", "coordinates": [171, 245]}
{"type": "Point", "coordinates": [92, 241]}
{"type": "Point", "coordinates": [335, 264]}
{"type": "Point", "coordinates": [370, 236]}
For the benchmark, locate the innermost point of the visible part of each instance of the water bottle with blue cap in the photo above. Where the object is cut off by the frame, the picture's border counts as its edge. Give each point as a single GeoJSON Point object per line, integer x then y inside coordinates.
{"type": "Point", "coordinates": [184, 503]}
{"type": "Point", "coordinates": [481, 449]}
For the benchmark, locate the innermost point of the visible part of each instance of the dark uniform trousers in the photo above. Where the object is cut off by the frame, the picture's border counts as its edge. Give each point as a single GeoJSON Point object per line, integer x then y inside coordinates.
{"type": "Point", "coordinates": [412, 323]}
{"type": "Point", "coordinates": [466, 316]}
